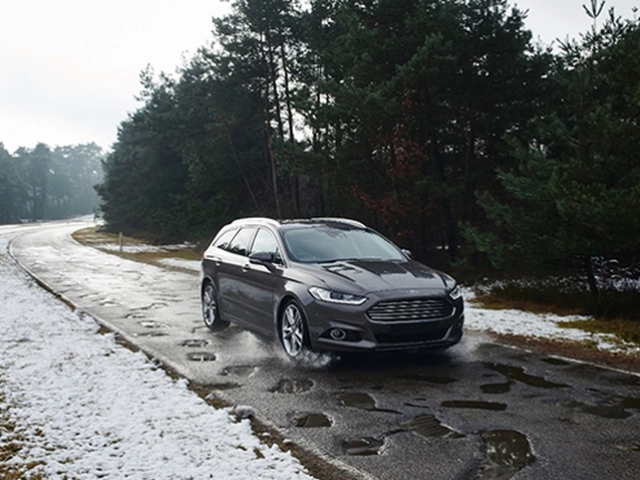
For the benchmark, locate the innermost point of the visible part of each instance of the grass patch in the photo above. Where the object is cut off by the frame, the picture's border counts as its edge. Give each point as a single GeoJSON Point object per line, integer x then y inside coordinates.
{"type": "Point", "coordinates": [628, 331]}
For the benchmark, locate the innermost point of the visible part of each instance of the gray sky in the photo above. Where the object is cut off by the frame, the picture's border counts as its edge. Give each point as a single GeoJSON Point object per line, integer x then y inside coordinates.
{"type": "Point", "coordinates": [70, 68]}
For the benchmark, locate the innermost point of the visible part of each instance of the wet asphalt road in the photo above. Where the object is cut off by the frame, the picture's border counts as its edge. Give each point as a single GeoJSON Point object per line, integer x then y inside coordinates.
{"type": "Point", "coordinates": [479, 411]}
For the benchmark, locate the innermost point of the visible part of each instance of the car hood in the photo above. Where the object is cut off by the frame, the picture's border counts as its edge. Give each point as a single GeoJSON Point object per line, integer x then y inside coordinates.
{"type": "Point", "coordinates": [377, 276]}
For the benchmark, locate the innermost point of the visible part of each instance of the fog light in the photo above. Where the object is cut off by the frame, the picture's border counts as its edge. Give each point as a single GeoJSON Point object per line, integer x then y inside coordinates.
{"type": "Point", "coordinates": [338, 334]}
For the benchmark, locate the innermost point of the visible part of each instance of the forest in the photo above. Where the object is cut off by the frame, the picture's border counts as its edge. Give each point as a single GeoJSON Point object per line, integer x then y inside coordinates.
{"type": "Point", "coordinates": [440, 123]}
{"type": "Point", "coordinates": [44, 184]}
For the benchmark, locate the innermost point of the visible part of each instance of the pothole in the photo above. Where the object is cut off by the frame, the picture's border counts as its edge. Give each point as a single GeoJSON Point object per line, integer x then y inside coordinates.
{"type": "Point", "coordinates": [429, 426]}
{"type": "Point", "coordinates": [150, 324]}
{"type": "Point", "coordinates": [429, 378]}
{"type": "Point", "coordinates": [496, 388]}
{"type": "Point", "coordinates": [292, 386]}
{"type": "Point", "coordinates": [518, 374]}
{"type": "Point", "coordinates": [507, 452]}
{"type": "Point", "coordinates": [195, 343]}
{"type": "Point", "coordinates": [154, 306]}
{"type": "Point", "coordinates": [201, 356]}
{"type": "Point", "coordinates": [136, 315]}
{"type": "Point", "coordinates": [630, 402]}
{"type": "Point", "coordinates": [313, 420]}
{"type": "Point", "coordinates": [616, 412]}
{"type": "Point", "coordinates": [363, 446]}
{"type": "Point", "coordinates": [363, 401]}
{"type": "Point", "coordinates": [474, 404]}
{"type": "Point", "coordinates": [224, 386]}
{"type": "Point", "coordinates": [244, 371]}
{"type": "Point", "coordinates": [558, 362]}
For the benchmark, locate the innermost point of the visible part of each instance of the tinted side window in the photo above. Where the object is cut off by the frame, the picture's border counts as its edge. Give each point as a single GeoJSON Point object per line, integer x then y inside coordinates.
{"type": "Point", "coordinates": [266, 242]}
{"type": "Point", "coordinates": [240, 243]}
{"type": "Point", "coordinates": [223, 240]}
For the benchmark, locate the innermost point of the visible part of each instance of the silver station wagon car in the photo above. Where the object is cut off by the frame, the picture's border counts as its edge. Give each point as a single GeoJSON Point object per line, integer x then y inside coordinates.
{"type": "Point", "coordinates": [326, 284]}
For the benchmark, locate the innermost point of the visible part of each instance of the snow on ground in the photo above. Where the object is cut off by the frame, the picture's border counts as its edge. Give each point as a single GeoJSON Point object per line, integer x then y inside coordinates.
{"type": "Point", "coordinates": [84, 407]}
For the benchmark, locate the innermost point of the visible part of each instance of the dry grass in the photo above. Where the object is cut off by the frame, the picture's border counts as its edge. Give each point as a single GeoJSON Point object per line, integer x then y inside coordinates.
{"type": "Point", "coordinates": [11, 443]}
{"type": "Point", "coordinates": [94, 237]}
{"type": "Point", "coordinates": [614, 312]}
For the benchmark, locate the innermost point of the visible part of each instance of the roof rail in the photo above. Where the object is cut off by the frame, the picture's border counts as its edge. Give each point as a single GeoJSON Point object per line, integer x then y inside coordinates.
{"type": "Point", "coordinates": [264, 220]}
{"type": "Point", "coordinates": [348, 221]}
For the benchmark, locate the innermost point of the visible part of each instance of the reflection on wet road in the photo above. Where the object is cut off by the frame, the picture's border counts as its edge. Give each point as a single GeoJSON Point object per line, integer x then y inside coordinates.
{"type": "Point", "coordinates": [480, 411]}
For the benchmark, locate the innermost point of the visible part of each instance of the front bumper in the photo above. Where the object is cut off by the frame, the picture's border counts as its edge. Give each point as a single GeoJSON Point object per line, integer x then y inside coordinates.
{"type": "Point", "coordinates": [357, 332]}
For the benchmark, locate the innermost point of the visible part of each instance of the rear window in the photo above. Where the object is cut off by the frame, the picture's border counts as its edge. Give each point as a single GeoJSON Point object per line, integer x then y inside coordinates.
{"type": "Point", "coordinates": [223, 240]}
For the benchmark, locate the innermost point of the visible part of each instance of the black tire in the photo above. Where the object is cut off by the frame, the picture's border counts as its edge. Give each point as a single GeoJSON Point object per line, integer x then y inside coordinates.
{"type": "Point", "coordinates": [210, 312]}
{"type": "Point", "coordinates": [293, 330]}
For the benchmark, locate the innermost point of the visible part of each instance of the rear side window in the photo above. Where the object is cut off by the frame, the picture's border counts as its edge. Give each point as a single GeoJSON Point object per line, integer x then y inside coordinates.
{"type": "Point", "coordinates": [240, 243]}
{"type": "Point", "coordinates": [266, 242]}
{"type": "Point", "coordinates": [224, 240]}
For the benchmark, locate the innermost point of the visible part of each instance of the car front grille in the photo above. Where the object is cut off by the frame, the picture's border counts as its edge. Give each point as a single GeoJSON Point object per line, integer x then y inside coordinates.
{"type": "Point", "coordinates": [414, 310]}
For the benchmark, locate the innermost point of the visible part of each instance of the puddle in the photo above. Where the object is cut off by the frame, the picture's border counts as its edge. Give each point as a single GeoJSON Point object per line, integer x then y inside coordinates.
{"type": "Point", "coordinates": [151, 334]}
{"type": "Point", "coordinates": [429, 378]}
{"type": "Point", "coordinates": [292, 386]}
{"type": "Point", "coordinates": [313, 420]}
{"type": "Point", "coordinates": [630, 402]}
{"type": "Point", "coordinates": [629, 448]}
{"type": "Point", "coordinates": [496, 388]}
{"type": "Point", "coordinates": [479, 405]}
{"type": "Point", "coordinates": [627, 381]}
{"type": "Point", "coordinates": [195, 343]}
{"type": "Point", "coordinates": [154, 306]}
{"type": "Point", "coordinates": [244, 371]}
{"type": "Point", "coordinates": [201, 356]}
{"type": "Point", "coordinates": [517, 374]}
{"type": "Point", "coordinates": [430, 427]}
{"type": "Point", "coordinates": [556, 361]}
{"type": "Point", "coordinates": [363, 401]}
{"type": "Point", "coordinates": [150, 324]}
{"type": "Point", "coordinates": [363, 446]}
{"type": "Point", "coordinates": [223, 386]}
{"type": "Point", "coordinates": [507, 452]}
{"type": "Point", "coordinates": [610, 412]}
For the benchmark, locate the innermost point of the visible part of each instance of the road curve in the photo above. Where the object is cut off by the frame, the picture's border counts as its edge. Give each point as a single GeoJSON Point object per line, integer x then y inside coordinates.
{"type": "Point", "coordinates": [479, 411]}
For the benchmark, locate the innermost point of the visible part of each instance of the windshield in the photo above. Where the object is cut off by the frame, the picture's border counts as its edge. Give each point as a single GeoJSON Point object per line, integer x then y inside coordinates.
{"type": "Point", "coordinates": [326, 243]}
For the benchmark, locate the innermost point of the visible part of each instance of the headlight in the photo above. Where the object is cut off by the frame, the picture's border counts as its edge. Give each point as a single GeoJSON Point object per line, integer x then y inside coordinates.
{"type": "Point", "coordinates": [456, 292]}
{"type": "Point", "coordinates": [332, 296]}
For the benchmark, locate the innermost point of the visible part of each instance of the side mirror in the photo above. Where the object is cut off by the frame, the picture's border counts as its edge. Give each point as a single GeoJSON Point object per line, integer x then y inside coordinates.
{"type": "Point", "coordinates": [407, 253]}
{"type": "Point", "coordinates": [260, 258]}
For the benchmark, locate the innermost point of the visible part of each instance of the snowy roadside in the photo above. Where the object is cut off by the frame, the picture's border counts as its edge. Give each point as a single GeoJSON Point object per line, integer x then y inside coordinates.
{"type": "Point", "coordinates": [81, 406]}
{"type": "Point", "coordinates": [540, 326]}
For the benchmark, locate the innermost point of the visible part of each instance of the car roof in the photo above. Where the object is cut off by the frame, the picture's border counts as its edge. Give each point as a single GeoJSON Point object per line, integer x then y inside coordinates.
{"type": "Point", "coordinates": [301, 221]}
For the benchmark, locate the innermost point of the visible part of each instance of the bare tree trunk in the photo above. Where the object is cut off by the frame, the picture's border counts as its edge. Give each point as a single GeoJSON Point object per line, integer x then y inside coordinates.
{"type": "Point", "coordinates": [591, 278]}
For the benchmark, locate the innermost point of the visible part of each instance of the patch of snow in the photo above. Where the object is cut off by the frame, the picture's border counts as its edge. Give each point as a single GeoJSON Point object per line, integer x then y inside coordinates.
{"type": "Point", "coordinates": [85, 407]}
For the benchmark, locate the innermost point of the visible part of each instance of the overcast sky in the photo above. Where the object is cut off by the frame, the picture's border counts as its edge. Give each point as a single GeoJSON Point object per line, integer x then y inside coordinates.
{"type": "Point", "coordinates": [70, 68]}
